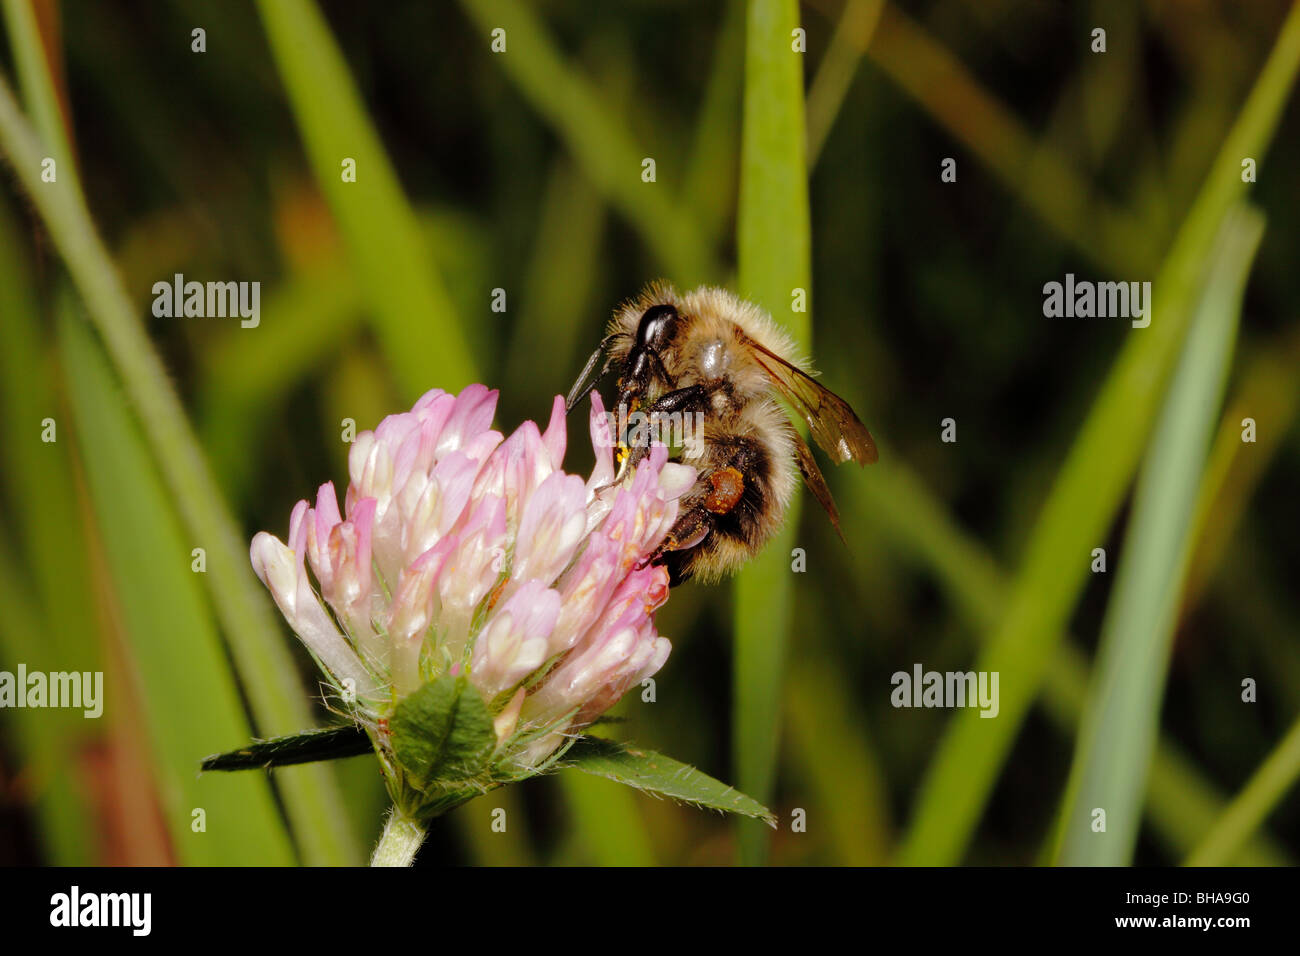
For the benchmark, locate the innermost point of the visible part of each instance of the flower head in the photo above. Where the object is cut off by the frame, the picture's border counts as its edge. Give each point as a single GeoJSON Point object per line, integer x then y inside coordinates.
{"type": "Point", "coordinates": [462, 552]}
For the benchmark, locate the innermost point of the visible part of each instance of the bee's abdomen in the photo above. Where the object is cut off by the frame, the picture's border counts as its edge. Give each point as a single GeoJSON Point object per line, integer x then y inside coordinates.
{"type": "Point", "coordinates": [750, 458]}
{"type": "Point", "coordinates": [745, 509]}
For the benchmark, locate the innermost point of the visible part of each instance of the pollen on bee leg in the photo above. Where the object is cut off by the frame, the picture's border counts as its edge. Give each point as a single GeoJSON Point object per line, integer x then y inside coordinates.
{"type": "Point", "coordinates": [726, 486]}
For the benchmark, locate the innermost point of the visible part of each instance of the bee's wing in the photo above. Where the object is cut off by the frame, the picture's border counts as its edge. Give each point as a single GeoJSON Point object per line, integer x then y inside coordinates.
{"type": "Point", "coordinates": [589, 375]}
{"type": "Point", "coordinates": [812, 476]}
{"type": "Point", "coordinates": [833, 424]}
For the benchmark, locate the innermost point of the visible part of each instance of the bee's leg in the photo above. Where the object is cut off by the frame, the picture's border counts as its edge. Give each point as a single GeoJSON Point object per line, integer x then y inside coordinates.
{"type": "Point", "coordinates": [717, 494]}
{"type": "Point", "coordinates": [689, 398]}
{"type": "Point", "coordinates": [691, 527]}
{"type": "Point", "coordinates": [731, 500]}
{"type": "Point", "coordinates": [692, 398]}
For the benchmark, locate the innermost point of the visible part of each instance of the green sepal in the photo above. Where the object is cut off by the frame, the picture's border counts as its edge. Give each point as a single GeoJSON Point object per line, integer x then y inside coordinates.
{"type": "Point", "coordinates": [647, 770]}
{"type": "Point", "coordinates": [442, 734]}
{"type": "Point", "coordinates": [325, 743]}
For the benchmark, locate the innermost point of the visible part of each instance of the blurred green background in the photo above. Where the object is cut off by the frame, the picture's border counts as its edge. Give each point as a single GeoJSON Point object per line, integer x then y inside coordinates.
{"type": "Point", "coordinates": [774, 169]}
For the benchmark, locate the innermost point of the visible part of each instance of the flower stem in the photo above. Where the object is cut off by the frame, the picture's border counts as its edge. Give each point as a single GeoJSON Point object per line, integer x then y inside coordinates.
{"type": "Point", "coordinates": [401, 839]}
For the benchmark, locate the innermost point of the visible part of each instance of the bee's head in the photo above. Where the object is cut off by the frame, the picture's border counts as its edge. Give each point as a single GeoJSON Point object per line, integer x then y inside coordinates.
{"type": "Point", "coordinates": [656, 327]}
{"type": "Point", "coordinates": [644, 363]}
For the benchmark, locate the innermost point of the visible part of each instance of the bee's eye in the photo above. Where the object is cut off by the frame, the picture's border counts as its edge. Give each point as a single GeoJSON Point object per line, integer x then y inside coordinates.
{"type": "Point", "coordinates": [654, 323]}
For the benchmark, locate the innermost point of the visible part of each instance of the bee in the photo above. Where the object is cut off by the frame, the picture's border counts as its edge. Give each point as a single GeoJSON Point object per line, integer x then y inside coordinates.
{"type": "Point", "coordinates": [723, 361]}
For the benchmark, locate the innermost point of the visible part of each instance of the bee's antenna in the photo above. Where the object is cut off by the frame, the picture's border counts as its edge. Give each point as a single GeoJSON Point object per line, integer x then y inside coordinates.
{"type": "Point", "coordinates": [589, 376]}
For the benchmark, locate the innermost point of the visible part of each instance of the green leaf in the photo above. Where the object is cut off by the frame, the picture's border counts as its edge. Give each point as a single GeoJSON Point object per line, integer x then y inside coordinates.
{"type": "Point", "coordinates": [653, 772]}
{"type": "Point", "coordinates": [324, 743]}
{"type": "Point", "coordinates": [442, 734]}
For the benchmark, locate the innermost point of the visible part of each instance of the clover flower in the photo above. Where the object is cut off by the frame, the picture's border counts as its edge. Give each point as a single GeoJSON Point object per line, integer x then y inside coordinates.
{"type": "Point", "coordinates": [463, 554]}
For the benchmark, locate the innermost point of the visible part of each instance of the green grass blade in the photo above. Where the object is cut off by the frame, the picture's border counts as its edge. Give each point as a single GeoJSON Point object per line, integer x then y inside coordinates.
{"type": "Point", "coordinates": [191, 700]}
{"type": "Point", "coordinates": [775, 259]}
{"type": "Point", "coordinates": [1267, 392]}
{"type": "Point", "coordinates": [710, 189]}
{"type": "Point", "coordinates": [38, 481]}
{"type": "Point", "coordinates": [44, 741]}
{"type": "Point", "coordinates": [413, 315]}
{"type": "Point", "coordinates": [42, 483]}
{"type": "Point", "coordinates": [257, 642]}
{"type": "Point", "coordinates": [1182, 807]}
{"type": "Point", "coordinates": [1121, 720]}
{"type": "Point", "coordinates": [1088, 492]}
{"type": "Point", "coordinates": [41, 626]}
{"type": "Point", "coordinates": [840, 768]}
{"type": "Point", "coordinates": [605, 149]}
{"type": "Point", "coordinates": [36, 79]}
{"type": "Point", "coordinates": [1181, 804]}
{"type": "Point", "coordinates": [1041, 177]}
{"type": "Point", "coordinates": [1246, 813]}
{"type": "Point", "coordinates": [837, 68]}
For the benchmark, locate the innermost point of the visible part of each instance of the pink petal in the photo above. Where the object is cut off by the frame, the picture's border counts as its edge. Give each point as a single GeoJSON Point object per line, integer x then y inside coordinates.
{"type": "Point", "coordinates": [514, 642]}
{"type": "Point", "coordinates": [281, 571]}
{"type": "Point", "coordinates": [555, 436]}
{"type": "Point", "coordinates": [473, 412]}
{"type": "Point", "coordinates": [602, 443]}
{"type": "Point", "coordinates": [551, 529]}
